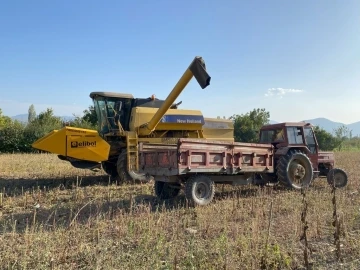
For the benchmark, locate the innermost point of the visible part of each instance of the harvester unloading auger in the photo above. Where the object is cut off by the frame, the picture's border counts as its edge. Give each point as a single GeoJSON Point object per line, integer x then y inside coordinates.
{"type": "Point", "coordinates": [125, 121]}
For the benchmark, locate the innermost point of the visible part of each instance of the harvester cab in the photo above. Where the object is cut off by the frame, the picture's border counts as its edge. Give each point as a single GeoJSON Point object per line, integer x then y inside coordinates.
{"type": "Point", "coordinates": [112, 110]}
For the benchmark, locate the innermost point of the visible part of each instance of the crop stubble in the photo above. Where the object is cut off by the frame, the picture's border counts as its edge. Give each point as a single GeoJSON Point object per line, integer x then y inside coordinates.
{"type": "Point", "coordinates": [53, 215]}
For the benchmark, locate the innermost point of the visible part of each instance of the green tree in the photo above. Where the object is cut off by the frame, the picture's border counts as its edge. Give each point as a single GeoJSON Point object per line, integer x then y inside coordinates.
{"type": "Point", "coordinates": [326, 141]}
{"type": "Point", "coordinates": [31, 113]}
{"type": "Point", "coordinates": [12, 137]}
{"type": "Point", "coordinates": [247, 126]}
{"type": "Point", "coordinates": [341, 134]}
{"type": "Point", "coordinates": [4, 120]}
{"type": "Point", "coordinates": [44, 123]}
{"type": "Point", "coordinates": [90, 116]}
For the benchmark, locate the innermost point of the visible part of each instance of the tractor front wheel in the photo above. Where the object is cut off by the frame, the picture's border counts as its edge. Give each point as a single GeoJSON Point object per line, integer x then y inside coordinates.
{"type": "Point", "coordinates": [337, 177]}
{"type": "Point", "coordinates": [295, 170]}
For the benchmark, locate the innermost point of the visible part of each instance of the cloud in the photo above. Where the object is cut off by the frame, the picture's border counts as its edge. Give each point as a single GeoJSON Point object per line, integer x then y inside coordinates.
{"type": "Point", "coordinates": [280, 92]}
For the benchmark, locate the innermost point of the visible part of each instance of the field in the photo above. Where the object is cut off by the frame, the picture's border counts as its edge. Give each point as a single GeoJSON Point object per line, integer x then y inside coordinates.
{"type": "Point", "coordinates": [53, 216]}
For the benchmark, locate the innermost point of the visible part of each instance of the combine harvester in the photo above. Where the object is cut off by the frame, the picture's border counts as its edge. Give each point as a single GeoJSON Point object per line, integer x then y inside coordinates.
{"type": "Point", "coordinates": [144, 139]}
{"type": "Point", "coordinates": [125, 121]}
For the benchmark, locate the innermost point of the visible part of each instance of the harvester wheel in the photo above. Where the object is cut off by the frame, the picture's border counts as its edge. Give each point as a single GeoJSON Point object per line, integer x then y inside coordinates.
{"type": "Point", "coordinates": [337, 177]}
{"type": "Point", "coordinates": [295, 170]}
{"type": "Point", "coordinates": [165, 190]}
{"type": "Point", "coordinates": [121, 167]}
{"type": "Point", "coordinates": [199, 189]}
{"type": "Point", "coordinates": [109, 168]}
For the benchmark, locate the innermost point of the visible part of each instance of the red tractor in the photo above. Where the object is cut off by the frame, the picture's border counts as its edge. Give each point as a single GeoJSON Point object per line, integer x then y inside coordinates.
{"type": "Point", "coordinates": [295, 149]}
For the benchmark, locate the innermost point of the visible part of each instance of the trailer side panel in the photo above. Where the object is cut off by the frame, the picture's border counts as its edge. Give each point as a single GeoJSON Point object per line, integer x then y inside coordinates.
{"type": "Point", "coordinates": [204, 156]}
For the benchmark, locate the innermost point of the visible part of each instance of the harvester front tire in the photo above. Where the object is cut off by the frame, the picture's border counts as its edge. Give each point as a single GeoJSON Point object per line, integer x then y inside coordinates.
{"type": "Point", "coordinates": [165, 190]}
{"type": "Point", "coordinates": [338, 177]}
{"type": "Point", "coordinates": [295, 166]}
{"type": "Point", "coordinates": [121, 167]}
{"type": "Point", "coordinates": [199, 189]}
{"type": "Point", "coordinates": [109, 168]}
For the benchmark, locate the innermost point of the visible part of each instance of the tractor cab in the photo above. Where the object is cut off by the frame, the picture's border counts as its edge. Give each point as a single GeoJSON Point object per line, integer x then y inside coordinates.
{"type": "Point", "coordinates": [290, 134]}
{"type": "Point", "coordinates": [299, 135]}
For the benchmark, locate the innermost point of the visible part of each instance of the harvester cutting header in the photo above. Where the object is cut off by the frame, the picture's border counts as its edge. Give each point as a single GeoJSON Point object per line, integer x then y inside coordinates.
{"type": "Point", "coordinates": [125, 121]}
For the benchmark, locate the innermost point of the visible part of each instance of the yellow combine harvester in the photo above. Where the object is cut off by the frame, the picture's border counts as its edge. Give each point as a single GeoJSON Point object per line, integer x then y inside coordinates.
{"type": "Point", "coordinates": [125, 121]}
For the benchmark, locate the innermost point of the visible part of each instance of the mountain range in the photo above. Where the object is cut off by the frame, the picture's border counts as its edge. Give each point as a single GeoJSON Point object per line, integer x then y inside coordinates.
{"type": "Point", "coordinates": [329, 125]}
{"type": "Point", "coordinates": [324, 123]}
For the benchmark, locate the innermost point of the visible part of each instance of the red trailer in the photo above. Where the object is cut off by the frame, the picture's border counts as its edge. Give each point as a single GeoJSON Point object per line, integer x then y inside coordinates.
{"type": "Point", "coordinates": [287, 153]}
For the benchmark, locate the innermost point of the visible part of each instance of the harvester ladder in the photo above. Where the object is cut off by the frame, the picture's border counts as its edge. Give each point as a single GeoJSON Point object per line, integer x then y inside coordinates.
{"type": "Point", "coordinates": [132, 151]}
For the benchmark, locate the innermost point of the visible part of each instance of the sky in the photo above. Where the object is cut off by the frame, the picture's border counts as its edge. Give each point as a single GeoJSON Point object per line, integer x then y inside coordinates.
{"type": "Point", "coordinates": [297, 59]}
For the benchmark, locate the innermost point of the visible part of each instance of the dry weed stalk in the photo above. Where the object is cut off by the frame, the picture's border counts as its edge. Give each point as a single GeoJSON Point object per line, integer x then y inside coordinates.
{"type": "Point", "coordinates": [264, 257]}
{"type": "Point", "coordinates": [336, 223]}
{"type": "Point", "coordinates": [305, 227]}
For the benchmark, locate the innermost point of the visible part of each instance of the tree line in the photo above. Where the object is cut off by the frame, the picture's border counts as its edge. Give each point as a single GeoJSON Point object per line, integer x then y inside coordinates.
{"type": "Point", "coordinates": [17, 137]}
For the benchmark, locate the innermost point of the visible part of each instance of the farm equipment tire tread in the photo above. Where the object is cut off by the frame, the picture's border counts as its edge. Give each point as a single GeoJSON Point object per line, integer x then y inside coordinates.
{"type": "Point", "coordinates": [121, 167]}
{"type": "Point", "coordinates": [109, 168]}
{"type": "Point", "coordinates": [283, 165]}
{"type": "Point", "coordinates": [164, 190]}
{"type": "Point", "coordinates": [330, 175]}
{"type": "Point", "coordinates": [191, 185]}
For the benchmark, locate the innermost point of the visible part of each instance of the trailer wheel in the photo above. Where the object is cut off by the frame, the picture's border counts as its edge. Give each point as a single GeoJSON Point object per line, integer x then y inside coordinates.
{"type": "Point", "coordinates": [295, 170]}
{"type": "Point", "coordinates": [200, 189]}
{"type": "Point", "coordinates": [165, 190]}
{"type": "Point", "coordinates": [337, 177]}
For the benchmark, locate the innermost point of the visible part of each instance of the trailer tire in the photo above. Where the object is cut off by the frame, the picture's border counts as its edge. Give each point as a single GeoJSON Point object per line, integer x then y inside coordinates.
{"type": "Point", "coordinates": [164, 190]}
{"type": "Point", "coordinates": [337, 176]}
{"type": "Point", "coordinates": [121, 167]}
{"type": "Point", "coordinates": [295, 162]}
{"type": "Point", "coordinates": [200, 189]}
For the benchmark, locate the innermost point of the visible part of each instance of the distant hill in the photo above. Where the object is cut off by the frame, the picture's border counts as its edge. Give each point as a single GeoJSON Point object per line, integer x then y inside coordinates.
{"type": "Point", "coordinates": [329, 125]}
{"type": "Point", "coordinates": [24, 117]}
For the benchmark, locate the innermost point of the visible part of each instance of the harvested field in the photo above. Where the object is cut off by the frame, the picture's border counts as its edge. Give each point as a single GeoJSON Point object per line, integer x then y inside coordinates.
{"type": "Point", "coordinates": [53, 216]}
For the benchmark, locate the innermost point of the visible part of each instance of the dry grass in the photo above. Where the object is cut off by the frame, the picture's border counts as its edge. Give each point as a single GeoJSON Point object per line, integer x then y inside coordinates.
{"type": "Point", "coordinates": [57, 217]}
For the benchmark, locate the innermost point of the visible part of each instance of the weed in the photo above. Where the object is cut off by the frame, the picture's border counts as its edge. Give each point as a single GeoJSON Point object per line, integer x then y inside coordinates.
{"type": "Point", "coordinates": [55, 216]}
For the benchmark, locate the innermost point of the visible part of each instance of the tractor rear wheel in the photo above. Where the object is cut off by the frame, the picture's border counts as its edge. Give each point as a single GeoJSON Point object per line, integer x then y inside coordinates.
{"type": "Point", "coordinates": [121, 167]}
{"type": "Point", "coordinates": [199, 189]}
{"type": "Point", "coordinates": [337, 177]}
{"type": "Point", "coordinates": [165, 190]}
{"type": "Point", "coordinates": [295, 170]}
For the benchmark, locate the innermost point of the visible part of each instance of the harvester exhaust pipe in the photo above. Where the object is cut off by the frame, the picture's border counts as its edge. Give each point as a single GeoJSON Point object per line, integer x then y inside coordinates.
{"type": "Point", "coordinates": [197, 69]}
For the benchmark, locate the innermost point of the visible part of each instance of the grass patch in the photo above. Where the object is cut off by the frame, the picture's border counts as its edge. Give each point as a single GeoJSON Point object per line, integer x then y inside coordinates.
{"type": "Point", "coordinates": [58, 217]}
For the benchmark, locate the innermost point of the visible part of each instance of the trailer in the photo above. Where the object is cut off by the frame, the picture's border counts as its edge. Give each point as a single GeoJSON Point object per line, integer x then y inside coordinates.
{"type": "Point", "coordinates": [196, 165]}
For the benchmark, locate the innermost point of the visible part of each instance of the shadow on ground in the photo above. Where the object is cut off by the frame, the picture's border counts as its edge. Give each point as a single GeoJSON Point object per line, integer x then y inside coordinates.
{"type": "Point", "coordinates": [66, 214]}
{"type": "Point", "coordinates": [16, 186]}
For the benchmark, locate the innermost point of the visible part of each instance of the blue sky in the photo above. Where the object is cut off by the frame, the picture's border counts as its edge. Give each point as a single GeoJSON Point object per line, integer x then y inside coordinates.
{"type": "Point", "coordinates": [54, 53]}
